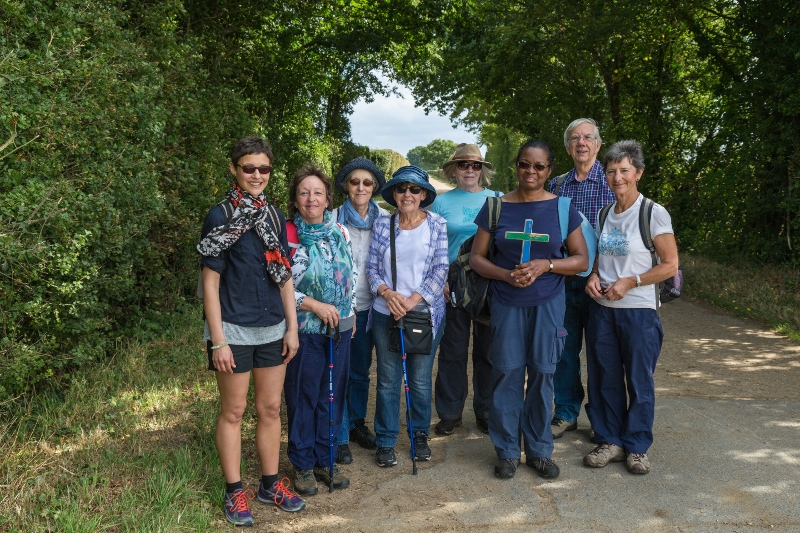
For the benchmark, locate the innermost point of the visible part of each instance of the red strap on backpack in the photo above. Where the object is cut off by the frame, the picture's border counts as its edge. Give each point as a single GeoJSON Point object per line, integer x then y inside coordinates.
{"type": "Point", "coordinates": [291, 236]}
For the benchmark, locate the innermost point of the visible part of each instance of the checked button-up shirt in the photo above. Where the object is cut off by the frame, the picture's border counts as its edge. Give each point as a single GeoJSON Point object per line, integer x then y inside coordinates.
{"type": "Point", "coordinates": [590, 195]}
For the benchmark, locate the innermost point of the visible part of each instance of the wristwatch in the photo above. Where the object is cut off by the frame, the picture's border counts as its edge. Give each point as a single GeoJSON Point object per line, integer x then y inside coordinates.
{"type": "Point", "coordinates": [551, 265]}
{"type": "Point", "coordinates": [638, 281]}
{"type": "Point", "coordinates": [383, 292]}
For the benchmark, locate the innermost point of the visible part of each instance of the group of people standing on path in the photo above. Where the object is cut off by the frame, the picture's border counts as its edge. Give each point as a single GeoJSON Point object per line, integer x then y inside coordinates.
{"type": "Point", "coordinates": [302, 305]}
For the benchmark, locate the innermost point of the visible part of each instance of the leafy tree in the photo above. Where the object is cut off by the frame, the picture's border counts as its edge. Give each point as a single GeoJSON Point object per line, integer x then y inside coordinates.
{"type": "Point", "coordinates": [433, 155]}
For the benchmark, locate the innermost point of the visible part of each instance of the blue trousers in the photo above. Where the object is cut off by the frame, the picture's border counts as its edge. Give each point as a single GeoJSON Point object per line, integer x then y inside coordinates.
{"type": "Point", "coordinates": [622, 349]}
{"type": "Point", "coordinates": [452, 385]}
{"type": "Point", "coordinates": [390, 384]}
{"type": "Point", "coordinates": [567, 384]}
{"type": "Point", "coordinates": [307, 398]}
{"type": "Point", "coordinates": [355, 406]}
{"type": "Point", "coordinates": [525, 339]}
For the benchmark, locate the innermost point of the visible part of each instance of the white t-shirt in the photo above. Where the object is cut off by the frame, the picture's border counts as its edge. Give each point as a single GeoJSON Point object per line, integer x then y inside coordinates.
{"type": "Point", "coordinates": [412, 251]}
{"type": "Point", "coordinates": [621, 253]}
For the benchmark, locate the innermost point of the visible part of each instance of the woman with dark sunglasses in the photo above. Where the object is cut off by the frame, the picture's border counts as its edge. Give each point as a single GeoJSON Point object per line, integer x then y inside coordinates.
{"type": "Point", "coordinates": [471, 175]}
{"type": "Point", "coordinates": [421, 268]}
{"type": "Point", "coordinates": [360, 180]}
{"type": "Point", "coordinates": [250, 324]}
{"type": "Point", "coordinates": [527, 309]}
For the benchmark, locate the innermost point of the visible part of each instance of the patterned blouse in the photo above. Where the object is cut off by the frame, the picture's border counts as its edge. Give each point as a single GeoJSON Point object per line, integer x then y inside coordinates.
{"type": "Point", "coordinates": [306, 320]}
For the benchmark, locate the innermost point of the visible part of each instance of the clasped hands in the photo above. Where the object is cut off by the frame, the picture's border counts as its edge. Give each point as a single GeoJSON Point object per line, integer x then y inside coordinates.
{"type": "Point", "coordinates": [525, 274]}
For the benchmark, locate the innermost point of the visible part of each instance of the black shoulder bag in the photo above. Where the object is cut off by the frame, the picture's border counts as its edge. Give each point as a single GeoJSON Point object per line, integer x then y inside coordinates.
{"type": "Point", "coordinates": [417, 326]}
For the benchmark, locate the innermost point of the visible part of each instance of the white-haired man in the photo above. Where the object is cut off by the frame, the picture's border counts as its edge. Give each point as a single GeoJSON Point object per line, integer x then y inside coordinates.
{"type": "Point", "coordinates": [586, 185]}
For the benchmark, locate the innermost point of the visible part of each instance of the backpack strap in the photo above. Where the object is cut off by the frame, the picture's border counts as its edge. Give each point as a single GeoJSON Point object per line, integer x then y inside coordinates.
{"type": "Point", "coordinates": [494, 205]}
{"type": "Point", "coordinates": [393, 252]}
{"type": "Point", "coordinates": [602, 218]}
{"type": "Point", "coordinates": [563, 221]}
{"type": "Point", "coordinates": [559, 182]}
{"type": "Point", "coordinates": [645, 214]}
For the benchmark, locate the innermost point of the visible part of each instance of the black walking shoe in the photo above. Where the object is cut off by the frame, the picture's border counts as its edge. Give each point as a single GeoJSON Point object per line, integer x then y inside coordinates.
{"type": "Point", "coordinates": [343, 455]}
{"type": "Point", "coordinates": [544, 466]}
{"type": "Point", "coordinates": [483, 424]}
{"type": "Point", "coordinates": [385, 457]}
{"type": "Point", "coordinates": [506, 468]}
{"type": "Point", "coordinates": [446, 427]}
{"type": "Point", "coordinates": [422, 451]}
{"type": "Point", "coordinates": [362, 435]}
{"type": "Point", "coordinates": [561, 426]}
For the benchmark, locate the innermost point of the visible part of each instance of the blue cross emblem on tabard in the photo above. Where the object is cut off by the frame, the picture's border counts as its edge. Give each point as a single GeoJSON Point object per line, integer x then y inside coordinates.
{"type": "Point", "coordinates": [527, 237]}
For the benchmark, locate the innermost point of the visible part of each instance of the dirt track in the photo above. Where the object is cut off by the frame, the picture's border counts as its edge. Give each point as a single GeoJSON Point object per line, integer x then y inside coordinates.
{"type": "Point", "coordinates": [711, 364]}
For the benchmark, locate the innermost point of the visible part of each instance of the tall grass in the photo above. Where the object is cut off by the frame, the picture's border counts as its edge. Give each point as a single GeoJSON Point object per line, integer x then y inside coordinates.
{"type": "Point", "coordinates": [125, 448]}
{"type": "Point", "coordinates": [767, 293]}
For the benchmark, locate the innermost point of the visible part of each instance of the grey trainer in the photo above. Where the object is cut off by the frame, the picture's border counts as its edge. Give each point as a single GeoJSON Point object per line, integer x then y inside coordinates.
{"type": "Point", "coordinates": [603, 454]}
{"type": "Point", "coordinates": [638, 463]}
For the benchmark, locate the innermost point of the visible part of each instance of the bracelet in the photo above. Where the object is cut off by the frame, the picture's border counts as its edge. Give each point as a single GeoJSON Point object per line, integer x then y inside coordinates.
{"type": "Point", "coordinates": [218, 346]}
{"type": "Point", "coordinates": [595, 272]}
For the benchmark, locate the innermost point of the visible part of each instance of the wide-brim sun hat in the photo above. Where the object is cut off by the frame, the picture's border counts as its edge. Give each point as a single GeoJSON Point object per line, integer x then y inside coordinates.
{"type": "Point", "coordinates": [466, 152]}
{"type": "Point", "coordinates": [360, 163]}
{"type": "Point", "coordinates": [413, 175]}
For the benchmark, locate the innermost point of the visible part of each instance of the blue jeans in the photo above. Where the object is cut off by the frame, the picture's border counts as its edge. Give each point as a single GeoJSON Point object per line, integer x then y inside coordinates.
{"type": "Point", "coordinates": [567, 384]}
{"type": "Point", "coordinates": [526, 339]}
{"type": "Point", "coordinates": [622, 349]}
{"type": "Point", "coordinates": [390, 384]}
{"type": "Point", "coordinates": [355, 407]}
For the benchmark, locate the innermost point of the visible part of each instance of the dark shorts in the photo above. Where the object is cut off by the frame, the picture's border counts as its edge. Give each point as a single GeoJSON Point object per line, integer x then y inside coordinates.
{"type": "Point", "coordinates": [249, 357]}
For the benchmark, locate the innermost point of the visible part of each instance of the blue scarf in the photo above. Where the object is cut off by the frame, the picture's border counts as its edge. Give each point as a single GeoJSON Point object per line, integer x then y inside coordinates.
{"type": "Point", "coordinates": [348, 216]}
{"type": "Point", "coordinates": [327, 281]}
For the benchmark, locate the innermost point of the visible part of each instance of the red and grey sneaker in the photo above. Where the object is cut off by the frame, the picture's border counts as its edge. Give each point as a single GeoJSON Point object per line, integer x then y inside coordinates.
{"type": "Point", "coordinates": [237, 507]}
{"type": "Point", "coordinates": [280, 495]}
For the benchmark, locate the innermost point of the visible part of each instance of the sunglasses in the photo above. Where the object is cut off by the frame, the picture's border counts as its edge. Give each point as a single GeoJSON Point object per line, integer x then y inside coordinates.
{"type": "Point", "coordinates": [527, 166]}
{"type": "Point", "coordinates": [464, 165]}
{"type": "Point", "coordinates": [250, 169]}
{"type": "Point", "coordinates": [401, 189]}
{"type": "Point", "coordinates": [355, 182]}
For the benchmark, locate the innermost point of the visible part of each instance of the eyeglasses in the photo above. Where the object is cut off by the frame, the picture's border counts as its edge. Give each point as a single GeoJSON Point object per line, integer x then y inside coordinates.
{"type": "Point", "coordinates": [587, 138]}
{"type": "Point", "coordinates": [527, 166]}
{"type": "Point", "coordinates": [464, 165]}
{"type": "Point", "coordinates": [355, 182]}
{"type": "Point", "coordinates": [250, 169]}
{"type": "Point", "coordinates": [401, 189]}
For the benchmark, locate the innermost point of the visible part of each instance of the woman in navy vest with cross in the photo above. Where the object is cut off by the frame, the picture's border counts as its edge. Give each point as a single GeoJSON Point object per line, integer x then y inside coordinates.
{"type": "Point", "coordinates": [527, 309]}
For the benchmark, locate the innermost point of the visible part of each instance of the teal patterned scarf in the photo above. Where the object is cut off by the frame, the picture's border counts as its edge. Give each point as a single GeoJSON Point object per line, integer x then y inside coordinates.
{"type": "Point", "coordinates": [327, 280]}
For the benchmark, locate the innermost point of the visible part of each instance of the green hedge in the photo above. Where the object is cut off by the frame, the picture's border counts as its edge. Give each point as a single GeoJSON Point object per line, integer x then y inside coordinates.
{"type": "Point", "coordinates": [116, 141]}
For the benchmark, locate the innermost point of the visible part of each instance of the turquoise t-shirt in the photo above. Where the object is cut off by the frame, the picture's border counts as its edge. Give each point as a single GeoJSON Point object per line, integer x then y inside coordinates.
{"type": "Point", "coordinates": [460, 208]}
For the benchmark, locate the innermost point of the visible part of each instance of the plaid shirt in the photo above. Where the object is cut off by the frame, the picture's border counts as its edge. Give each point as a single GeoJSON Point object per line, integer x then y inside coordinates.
{"type": "Point", "coordinates": [589, 195]}
{"type": "Point", "coordinates": [436, 265]}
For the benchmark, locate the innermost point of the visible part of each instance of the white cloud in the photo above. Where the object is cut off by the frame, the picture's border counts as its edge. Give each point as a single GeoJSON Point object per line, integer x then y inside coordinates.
{"type": "Point", "coordinates": [393, 122]}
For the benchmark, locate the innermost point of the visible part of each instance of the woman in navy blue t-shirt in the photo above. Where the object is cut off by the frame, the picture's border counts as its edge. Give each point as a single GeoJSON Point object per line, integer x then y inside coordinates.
{"type": "Point", "coordinates": [527, 310]}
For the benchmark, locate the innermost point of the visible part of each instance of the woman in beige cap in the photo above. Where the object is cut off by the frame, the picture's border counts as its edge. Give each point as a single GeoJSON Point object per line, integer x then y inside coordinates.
{"type": "Point", "coordinates": [459, 207]}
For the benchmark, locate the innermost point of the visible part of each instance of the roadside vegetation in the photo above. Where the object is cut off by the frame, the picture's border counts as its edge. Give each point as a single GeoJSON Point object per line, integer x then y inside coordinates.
{"type": "Point", "coordinates": [127, 446]}
{"type": "Point", "coordinates": [769, 294]}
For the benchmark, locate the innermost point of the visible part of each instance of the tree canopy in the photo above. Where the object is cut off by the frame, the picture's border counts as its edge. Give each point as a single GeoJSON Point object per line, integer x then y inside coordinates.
{"type": "Point", "coordinates": [709, 88]}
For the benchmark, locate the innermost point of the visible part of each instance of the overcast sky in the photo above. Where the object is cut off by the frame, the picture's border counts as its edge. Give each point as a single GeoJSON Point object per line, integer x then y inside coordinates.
{"type": "Point", "coordinates": [394, 122]}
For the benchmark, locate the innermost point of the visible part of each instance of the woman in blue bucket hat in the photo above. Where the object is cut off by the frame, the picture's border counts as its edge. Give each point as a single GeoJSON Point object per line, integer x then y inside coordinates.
{"type": "Point", "coordinates": [360, 180]}
{"type": "Point", "coordinates": [421, 255]}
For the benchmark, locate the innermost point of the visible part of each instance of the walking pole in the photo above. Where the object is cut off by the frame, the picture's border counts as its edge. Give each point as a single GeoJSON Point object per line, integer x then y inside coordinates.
{"type": "Point", "coordinates": [408, 397]}
{"type": "Point", "coordinates": [330, 333]}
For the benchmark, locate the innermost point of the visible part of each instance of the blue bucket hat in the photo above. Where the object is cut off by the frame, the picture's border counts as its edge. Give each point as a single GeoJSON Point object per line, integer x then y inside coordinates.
{"type": "Point", "coordinates": [409, 174]}
{"type": "Point", "coordinates": [362, 163]}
